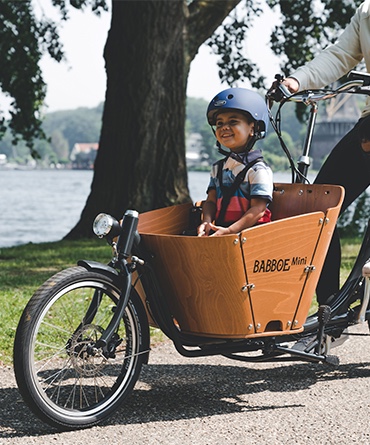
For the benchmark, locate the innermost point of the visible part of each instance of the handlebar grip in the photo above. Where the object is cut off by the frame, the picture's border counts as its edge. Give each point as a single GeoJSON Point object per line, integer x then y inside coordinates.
{"type": "Point", "coordinates": [280, 93]}
{"type": "Point", "coordinates": [284, 90]}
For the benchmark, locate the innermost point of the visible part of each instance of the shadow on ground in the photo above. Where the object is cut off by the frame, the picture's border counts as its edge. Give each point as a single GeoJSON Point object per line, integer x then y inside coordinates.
{"type": "Point", "coordinates": [173, 392]}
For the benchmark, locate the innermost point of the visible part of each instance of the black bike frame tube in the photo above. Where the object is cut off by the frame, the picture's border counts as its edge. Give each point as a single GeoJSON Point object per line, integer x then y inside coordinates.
{"type": "Point", "coordinates": [121, 306]}
{"type": "Point", "coordinates": [102, 269]}
{"type": "Point", "coordinates": [92, 309]}
{"type": "Point", "coordinates": [126, 239]}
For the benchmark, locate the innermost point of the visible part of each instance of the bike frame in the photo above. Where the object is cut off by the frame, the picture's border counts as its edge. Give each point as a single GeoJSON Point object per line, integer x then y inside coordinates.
{"type": "Point", "coordinates": [330, 320]}
{"type": "Point", "coordinates": [204, 294]}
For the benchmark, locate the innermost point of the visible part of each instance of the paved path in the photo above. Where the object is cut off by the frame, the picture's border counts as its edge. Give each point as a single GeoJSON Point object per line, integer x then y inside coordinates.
{"type": "Point", "coordinates": [217, 401]}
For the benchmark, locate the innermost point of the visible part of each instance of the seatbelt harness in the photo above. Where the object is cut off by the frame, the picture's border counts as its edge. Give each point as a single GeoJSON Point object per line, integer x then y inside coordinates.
{"type": "Point", "coordinates": [227, 192]}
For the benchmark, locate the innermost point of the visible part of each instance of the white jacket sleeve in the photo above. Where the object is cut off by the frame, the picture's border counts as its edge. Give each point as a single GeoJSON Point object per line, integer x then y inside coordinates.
{"type": "Point", "coordinates": [335, 61]}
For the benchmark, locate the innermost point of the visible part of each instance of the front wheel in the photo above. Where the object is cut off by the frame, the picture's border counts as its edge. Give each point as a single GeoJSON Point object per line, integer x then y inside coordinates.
{"type": "Point", "coordinates": [62, 376]}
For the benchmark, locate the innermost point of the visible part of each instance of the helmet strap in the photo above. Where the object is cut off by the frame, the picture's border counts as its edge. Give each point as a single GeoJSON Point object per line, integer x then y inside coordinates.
{"type": "Point", "coordinates": [221, 150]}
{"type": "Point", "coordinates": [251, 143]}
{"type": "Point", "coordinates": [259, 133]}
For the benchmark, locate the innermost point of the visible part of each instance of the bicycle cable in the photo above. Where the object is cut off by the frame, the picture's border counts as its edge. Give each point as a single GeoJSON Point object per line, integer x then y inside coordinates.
{"type": "Point", "coordinates": [276, 125]}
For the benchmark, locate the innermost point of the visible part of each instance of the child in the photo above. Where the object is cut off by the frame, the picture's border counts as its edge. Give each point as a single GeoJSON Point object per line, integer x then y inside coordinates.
{"type": "Point", "coordinates": [241, 184]}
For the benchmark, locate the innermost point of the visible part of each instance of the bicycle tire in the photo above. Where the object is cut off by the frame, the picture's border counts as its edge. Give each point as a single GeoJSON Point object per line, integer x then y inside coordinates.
{"type": "Point", "coordinates": [62, 378]}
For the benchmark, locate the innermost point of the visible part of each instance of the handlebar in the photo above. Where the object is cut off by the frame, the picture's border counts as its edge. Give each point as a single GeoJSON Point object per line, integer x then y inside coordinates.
{"type": "Point", "coordinates": [359, 83]}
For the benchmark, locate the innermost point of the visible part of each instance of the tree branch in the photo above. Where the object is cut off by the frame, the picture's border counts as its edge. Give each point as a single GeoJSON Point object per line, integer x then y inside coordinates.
{"type": "Point", "coordinates": [204, 17]}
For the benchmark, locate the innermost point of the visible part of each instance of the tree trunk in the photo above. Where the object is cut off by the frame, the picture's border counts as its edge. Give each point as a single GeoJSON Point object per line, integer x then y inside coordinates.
{"type": "Point", "coordinates": [141, 158]}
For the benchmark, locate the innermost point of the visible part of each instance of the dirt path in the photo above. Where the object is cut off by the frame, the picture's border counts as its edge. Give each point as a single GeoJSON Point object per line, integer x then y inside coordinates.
{"type": "Point", "coordinates": [218, 401]}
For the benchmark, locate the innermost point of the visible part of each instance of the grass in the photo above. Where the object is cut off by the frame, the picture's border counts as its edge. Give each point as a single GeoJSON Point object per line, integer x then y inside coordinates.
{"type": "Point", "coordinates": [24, 268]}
{"type": "Point", "coordinates": [350, 249]}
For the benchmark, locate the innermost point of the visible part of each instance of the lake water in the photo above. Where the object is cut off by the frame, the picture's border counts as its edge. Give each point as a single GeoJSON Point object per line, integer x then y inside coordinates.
{"type": "Point", "coordinates": [44, 205]}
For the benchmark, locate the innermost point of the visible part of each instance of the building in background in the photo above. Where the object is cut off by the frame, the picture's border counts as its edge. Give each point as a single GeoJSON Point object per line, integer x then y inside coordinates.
{"type": "Point", "coordinates": [340, 116]}
{"type": "Point", "coordinates": [83, 155]}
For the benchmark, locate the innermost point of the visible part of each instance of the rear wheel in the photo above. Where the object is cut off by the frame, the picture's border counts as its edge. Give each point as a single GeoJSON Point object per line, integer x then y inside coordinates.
{"type": "Point", "coordinates": [62, 376]}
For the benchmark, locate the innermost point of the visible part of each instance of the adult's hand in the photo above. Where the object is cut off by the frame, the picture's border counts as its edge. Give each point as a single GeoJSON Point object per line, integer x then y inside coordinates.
{"type": "Point", "coordinates": [292, 84]}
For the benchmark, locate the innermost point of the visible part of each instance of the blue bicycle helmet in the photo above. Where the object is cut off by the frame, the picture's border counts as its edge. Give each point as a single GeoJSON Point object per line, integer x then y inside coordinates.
{"type": "Point", "coordinates": [240, 99]}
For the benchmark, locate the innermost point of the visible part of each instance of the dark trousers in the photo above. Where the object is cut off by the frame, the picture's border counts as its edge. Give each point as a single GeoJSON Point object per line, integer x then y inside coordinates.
{"type": "Point", "coordinates": [347, 165]}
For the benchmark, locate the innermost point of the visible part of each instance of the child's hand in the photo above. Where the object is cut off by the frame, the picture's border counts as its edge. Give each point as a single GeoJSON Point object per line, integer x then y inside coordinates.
{"type": "Point", "coordinates": [203, 229]}
{"type": "Point", "coordinates": [218, 230]}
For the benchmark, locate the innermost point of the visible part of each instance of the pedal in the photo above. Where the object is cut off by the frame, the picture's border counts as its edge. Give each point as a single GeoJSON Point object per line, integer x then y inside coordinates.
{"type": "Point", "coordinates": [332, 360]}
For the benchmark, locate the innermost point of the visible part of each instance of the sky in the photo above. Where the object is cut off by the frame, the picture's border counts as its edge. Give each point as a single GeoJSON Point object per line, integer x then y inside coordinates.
{"type": "Point", "coordinates": [81, 81]}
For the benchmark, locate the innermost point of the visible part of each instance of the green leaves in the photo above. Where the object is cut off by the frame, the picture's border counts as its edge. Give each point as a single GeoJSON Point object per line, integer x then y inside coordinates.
{"type": "Point", "coordinates": [24, 38]}
{"type": "Point", "coordinates": [229, 43]}
{"type": "Point", "coordinates": [307, 27]}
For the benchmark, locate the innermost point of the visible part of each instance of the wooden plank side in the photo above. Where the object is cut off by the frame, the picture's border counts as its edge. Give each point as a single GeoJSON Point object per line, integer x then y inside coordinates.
{"type": "Point", "coordinates": [296, 199]}
{"type": "Point", "coordinates": [321, 250]}
{"type": "Point", "coordinates": [276, 256]}
{"type": "Point", "coordinates": [169, 220]}
{"type": "Point", "coordinates": [202, 280]}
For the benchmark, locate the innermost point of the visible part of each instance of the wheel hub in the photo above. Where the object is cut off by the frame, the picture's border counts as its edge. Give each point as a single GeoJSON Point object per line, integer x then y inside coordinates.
{"type": "Point", "coordinates": [87, 360]}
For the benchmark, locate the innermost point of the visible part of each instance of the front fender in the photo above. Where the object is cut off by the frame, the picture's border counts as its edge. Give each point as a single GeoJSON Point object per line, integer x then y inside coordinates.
{"type": "Point", "coordinates": [95, 266]}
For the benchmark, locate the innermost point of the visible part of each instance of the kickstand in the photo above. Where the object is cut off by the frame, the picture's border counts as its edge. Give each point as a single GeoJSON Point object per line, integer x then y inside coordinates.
{"type": "Point", "coordinates": [323, 315]}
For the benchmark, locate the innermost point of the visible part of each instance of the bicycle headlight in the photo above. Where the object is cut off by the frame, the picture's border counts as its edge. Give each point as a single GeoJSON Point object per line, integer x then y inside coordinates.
{"type": "Point", "coordinates": [105, 225]}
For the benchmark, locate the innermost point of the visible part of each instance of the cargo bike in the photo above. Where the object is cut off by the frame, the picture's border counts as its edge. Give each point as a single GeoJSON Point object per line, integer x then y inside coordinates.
{"type": "Point", "coordinates": [84, 335]}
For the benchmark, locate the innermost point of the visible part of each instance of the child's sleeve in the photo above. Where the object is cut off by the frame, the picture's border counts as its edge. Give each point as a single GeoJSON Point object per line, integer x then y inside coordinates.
{"type": "Point", "coordinates": [261, 182]}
